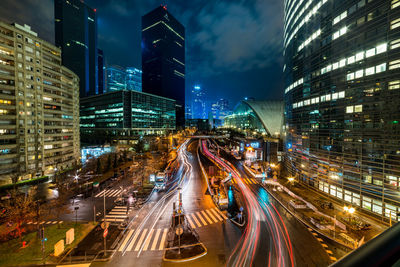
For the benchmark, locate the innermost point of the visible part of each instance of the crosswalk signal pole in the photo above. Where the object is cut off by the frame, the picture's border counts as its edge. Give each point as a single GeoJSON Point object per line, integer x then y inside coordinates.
{"type": "Point", "coordinates": [105, 223]}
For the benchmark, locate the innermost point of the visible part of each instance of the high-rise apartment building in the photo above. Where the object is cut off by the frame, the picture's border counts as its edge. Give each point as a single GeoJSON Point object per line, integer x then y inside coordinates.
{"type": "Point", "coordinates": [342, 92]}
{"type": "Point", "coordinates": [39, 106]}
{"type": "Point", "coordinates": [101, 72]}
{"type": "Point", "coordinates": [76, 35]}
{"type": "Point", "coordinates": [163, 58]}
{"type": "Point", "coordinates": [133, 79]}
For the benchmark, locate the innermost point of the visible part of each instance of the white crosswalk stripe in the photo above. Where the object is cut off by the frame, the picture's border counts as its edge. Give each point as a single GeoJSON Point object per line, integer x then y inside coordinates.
{"type": "Point", "coordinates": [205, 216]}
{"type": "Point", "coordinates": [117, 214]}
{"type": "Point", "coordinates": [45, 222]}
{"type": "Point", "coordinates": [109, 193]}
{"type": "Point", "coordinates": [195, 219]}
{"type": "Point", "coordinates": [121, 248]}
{"type": "Point", "coordinates": [201, 218]}
{"type": "Point", "coordinates": [153, 246]}
{"type": "Point", "coordinates": [149, 240]}
{"type": "Point", "coordinates": [139, 243]}
{"type": "Point", "coordinates": [211, 216]}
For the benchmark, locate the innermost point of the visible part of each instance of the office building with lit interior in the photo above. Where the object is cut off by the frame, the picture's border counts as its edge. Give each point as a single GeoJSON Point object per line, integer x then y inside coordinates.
{"type": "Point", "coordinates": [39, 107]}
{"type": "Point", "coordinates": [342, 89]}
{"type": "Point", "coordinates": [163, 58]}
{"type": "Point", "coordinates": [124, 115]}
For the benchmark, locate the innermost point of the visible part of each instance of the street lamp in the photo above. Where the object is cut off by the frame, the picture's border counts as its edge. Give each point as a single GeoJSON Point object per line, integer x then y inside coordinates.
{"type": "Point", "coordinates": [291, 180]}
{"type": "Point", "coordinates": [349, 210]}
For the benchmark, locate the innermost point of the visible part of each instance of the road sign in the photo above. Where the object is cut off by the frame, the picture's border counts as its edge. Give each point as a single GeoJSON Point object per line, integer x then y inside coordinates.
{"type": "Point", "coordinates": [179, 230]}
{"type": "Point", "coordinates": [105, 225]}
{"type": "Point", "coordinates": [105, 232]}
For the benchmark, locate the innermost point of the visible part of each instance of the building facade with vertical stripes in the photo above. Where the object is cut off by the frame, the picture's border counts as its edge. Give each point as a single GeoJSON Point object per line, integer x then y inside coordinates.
{"type": "Point", "coordinates": [342, 108]}
{"type": "Point", "coordinates": [39, 106]}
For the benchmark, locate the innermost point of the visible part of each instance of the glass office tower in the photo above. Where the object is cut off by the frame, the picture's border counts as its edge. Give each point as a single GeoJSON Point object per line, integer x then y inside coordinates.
{"type": "Point", "coordinates": [76, 35]}
{"type": "Point", "coordinates": [163, 58]}
{"type": "Point", "coordinates": [125, 114]}
{"type": "Point", "coordinates": [342, 107]}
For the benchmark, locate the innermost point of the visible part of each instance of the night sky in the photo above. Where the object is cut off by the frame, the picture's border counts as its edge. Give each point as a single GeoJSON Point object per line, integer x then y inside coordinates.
{"type": "Point", "coordinates": [233, 48]}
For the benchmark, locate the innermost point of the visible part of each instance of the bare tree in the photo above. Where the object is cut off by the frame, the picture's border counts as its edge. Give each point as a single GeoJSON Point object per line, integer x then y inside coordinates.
{"type": "Point", "coordinates": [20, 209]}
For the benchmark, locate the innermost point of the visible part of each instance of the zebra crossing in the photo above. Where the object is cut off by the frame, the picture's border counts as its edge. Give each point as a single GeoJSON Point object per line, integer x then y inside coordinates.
{"type": "Point", "coordinates": [45, 222]}
{"type": "Point", "coordinates": [205, 217]}
{"type": "Point", "coordinates": [110, 193]}
{"type": "Point", "coordinates": [148, 240]}
{"type": "Point", "coordinates": [154, 239]}
{"type": "Point", "coordinates": [117, 214]}
{"type": "Point", "coordinates": [245, 180]}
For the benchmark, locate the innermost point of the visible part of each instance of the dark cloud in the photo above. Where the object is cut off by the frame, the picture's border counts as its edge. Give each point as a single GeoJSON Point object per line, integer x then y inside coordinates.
{"type": "Point", "coordinates": [232, 46]}
{"type": "Point", "coordinates": [37, 13]}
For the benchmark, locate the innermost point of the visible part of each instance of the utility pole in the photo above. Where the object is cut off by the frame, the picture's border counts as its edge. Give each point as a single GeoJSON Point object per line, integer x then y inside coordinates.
{"type": "Point", "coordinates": [105, 223]}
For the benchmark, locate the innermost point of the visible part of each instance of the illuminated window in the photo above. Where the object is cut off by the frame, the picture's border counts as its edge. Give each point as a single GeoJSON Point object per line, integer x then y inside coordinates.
{"type": "Point", "coordinates": [349, 109]}
{"type": "Point", "coordinates": [395, 23]}
{"type": "Point", "coordinates": [358, 108]}
{"type": "Point", "coordinates": [370, 71]}
{"type": "Point", "coordinates": [393, 85]}
{"type": "Point", "coordinates": [342, 63]}
{"type": "Point", "coordinates": [381, 48]}
{"type": "Point", "coordinates": [395, 3]}
{"type": "Point", "coordinates": [370, 52]}
{"type": "Point", "coordinates": [380, 68]}
{"type": "Point", "coordinates": [359, 73]}
{"type": "Point", "coordinates": [351, 60]}
{"type": "Point", "coordinates": [395, 43]}
{"type": "Point", "coordinates": [335, 96]}
{"type": "Point", "coordinates": [350, 76]}
{"type": "Point", "coordinates": [395, 64]}
{"type": "Point", "coordinates": [359, 56]}
{"type": "Point", "coordinates": [335, 65]}
{"type": "Point", "coordinates": [341, 94]}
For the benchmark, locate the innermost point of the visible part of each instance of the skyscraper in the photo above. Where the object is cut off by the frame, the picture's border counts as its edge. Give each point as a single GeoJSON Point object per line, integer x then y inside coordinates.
{"type": "Point", "coordinates": [220, 109]}
{"type": "Point", "coordinates": [133, 79]}
{"type": "Point", "coordinates": [39, 107]}
{"type": "Point", "coordinates": [163, 58]}
{"type": "Point", "coordinates": [342, 100]}
{"type": "Point", "coordinates": [198, 100]}
{"type": "Point", "coordinates": [101, 72]}
{"type": "Point", "coordinates": [76, 35]}
{"type": "Point", "coordinates": [115, 78]}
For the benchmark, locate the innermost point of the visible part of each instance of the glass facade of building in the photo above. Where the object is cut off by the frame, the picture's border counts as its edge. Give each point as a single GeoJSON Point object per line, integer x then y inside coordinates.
{"type": "Point", "coordinates": [76, 35]}
{"type": "Point", "coordinates": [125, 113]}
{"type": "Point", "coordinates": [133, 79]}
{"type": "Point", "coordinates": [163, 58]}
{"type": "Point", "coordinates": [342, 62]}
{"type": "Point", "coordinates": [264, 117]}
{"type": "Point", "coordinates": [115, 79]}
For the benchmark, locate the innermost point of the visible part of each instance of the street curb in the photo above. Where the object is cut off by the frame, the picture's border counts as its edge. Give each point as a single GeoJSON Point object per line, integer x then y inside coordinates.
{"type": "Point", "coordinates": [190, 258]}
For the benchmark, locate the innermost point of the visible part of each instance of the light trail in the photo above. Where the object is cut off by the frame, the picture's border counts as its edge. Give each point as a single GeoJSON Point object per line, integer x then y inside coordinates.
{"type": "Point", "coordinates": [260, 216]}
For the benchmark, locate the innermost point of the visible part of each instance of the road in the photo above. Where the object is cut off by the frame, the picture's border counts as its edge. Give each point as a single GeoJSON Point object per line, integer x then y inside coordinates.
{"type": "Point", "coordinates": [272, 236]}
{"type": "Point", "coordinates": [143, 242]}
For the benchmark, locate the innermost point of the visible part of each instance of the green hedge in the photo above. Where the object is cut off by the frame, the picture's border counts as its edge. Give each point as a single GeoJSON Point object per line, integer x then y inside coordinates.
{"type": "Point", "coordinates": [25, 182]}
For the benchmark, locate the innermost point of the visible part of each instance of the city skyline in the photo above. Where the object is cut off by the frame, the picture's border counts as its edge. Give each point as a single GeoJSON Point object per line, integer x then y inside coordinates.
{"type": "Point", "coordinates": [260, 76]}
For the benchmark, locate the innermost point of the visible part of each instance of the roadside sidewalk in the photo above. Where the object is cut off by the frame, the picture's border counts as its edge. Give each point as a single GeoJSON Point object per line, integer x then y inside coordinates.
{"type": "Point", "coordinates": [323, 214]}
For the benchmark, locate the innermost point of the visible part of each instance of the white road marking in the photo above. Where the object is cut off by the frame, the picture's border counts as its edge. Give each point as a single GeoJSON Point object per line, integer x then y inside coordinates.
{"type": "Point", "coordinates": [195, 219]}
{"type": "Point", "coordinates": [126, 240]}
{"type": "Point", "coordinates": [140, 240]}
{"type": "Point", "coordinates": [211, 216]}
{"type": "Point", "coordinates": [205, 215]}
{"type": "Point", "coordinates": [153, 246]}
{"type": "Point", "coordinates": [216, 214]}
{"type": "Point", "coordinates": [164, 236]}
{"type": "Point", "coordinates": [148, 238]}
{"type": "Point", "coordinates": [201, 218]}
{"type": "Point", "coordinates": [133, 240]}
